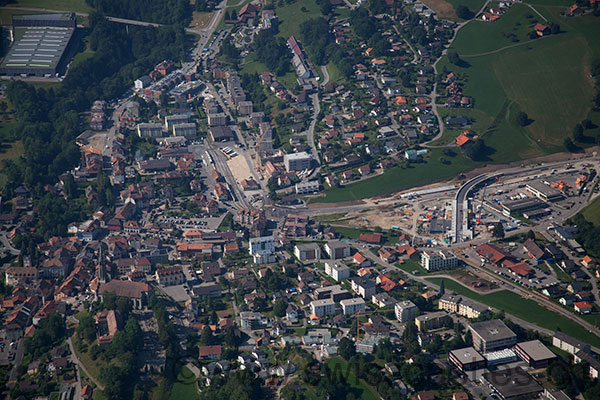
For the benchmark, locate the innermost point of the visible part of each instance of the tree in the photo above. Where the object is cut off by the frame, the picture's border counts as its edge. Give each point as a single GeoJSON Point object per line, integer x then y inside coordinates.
{"type": "Point", "coordinates": [206, 337]}
{"type": "Point", "coordinates": [453, 57]}
{"type": "Point", "coordinates": [587, 124]}
{"type": "Point", "coordinates": [522, 118]}
{"type": "Point", "coordinates": [554, 28]}
{"type": "Point", "coordinates": [569, 145]}
{"type": "Point", "coordinates": [231, 338]}
{"type": "Point", "coordinates": [442, 287]}
{"type": "Point", "coordinates": [346, 348]}
{"type": "Point", "coordinates": [498, 231]}
{"type": "Point", "coordinates": [279, 308]}
{"type": "Point", "coordinates": [164, 99]}
{"type": "Point", "coordinates": [3, 107]}
{"type": "Point", "coordinates": [227, 17]}
{"type": "Point", "coordinates": [87, 327]}
{"type": "Point", "coordinates": [233, 15]}
{"type": "Point", "coordinates": [464, 12]}
{"type": "Point", "coordinates": [530, 234]}
{"type": "Point", "coordinates": [578, 133]}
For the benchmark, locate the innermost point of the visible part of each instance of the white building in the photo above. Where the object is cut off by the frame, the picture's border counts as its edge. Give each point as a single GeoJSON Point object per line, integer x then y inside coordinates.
{"type": "Point", "coordinates": [406, 311]}
{"type": "Point", "coordinates": [187, 130]}
{"type": "Point", "coordinates": [170, 276]}
{"type": "Point", "coordinates": [322, 307]}
{"type": "Point", "coordinates": [339, 272]}
{"type": "Point", "coordinates": [149, 130]}
{"type": "Point", "coordinates": [142, 82]}
{"type": "Point", "coordinates": [437, 260]}
{"type": "Point", "coordinates": [337, 249]}
{"type": "Point", "coordinates": [262, 249]}
{"type": "Point", "coordinates": [352, 306]}
{"type": "Point", "coordinates": [307, 251]}
{"type": "Point", "coordinates": [171, 120]}
{"type": "Point", "coordinates": [297, 161]}
{"type": "Point", "coordinates": [311, 187]}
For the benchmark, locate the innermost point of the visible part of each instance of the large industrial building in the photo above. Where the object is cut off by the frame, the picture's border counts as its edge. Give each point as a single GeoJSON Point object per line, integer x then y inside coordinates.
{"type": "Point", "coordinates": [39, 44]}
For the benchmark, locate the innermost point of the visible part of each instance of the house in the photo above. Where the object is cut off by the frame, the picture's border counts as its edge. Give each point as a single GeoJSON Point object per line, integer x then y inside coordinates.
{"type": "Point", "coordinates": [583, 307]}
{"type": "Point", "coordinates": [371, 238]}
{"type": "Point", "coordinates": [534, 251]}
{"type": "Point", "coordinates": [336, 249]}
{"type": "Point", "coordinates": [361, 261]}
{"type": "Point", "coordinates": [170, 276]}
{"type": "Point", "coordinates": [363, 287]}
{"type": "Point", "coordinates": [588, 262]}
{"type": "Point", "coordinates": [541, 30]}
{"type": "Point", "coordinates": [209, 352]}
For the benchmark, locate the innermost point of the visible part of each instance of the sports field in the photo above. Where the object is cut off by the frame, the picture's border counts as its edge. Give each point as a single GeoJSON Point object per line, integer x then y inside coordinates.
{"type": "Point", "coordinates": [525, 309]}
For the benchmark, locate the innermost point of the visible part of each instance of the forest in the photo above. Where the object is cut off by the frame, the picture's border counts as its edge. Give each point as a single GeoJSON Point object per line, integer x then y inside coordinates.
{"type": "Point", "coordinates": [158, 11]}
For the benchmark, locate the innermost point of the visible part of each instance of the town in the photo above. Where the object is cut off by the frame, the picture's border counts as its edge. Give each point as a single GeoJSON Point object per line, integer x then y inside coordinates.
{"type": "Point", "coordinates": [291, 200]}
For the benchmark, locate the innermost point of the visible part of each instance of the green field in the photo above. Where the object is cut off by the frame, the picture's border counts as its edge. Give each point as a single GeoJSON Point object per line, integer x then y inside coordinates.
{"type": "Point", "coordinates": [357, 387]}
{"type": "Point", "coordinates": [537, 77]}
{"type": "Point", "coordinates": [411, 267]}
{"type": "Point", "coordinates": [185, 386]}
{"type": "Point", "coordinates": [253, 66]}
{"type": "Point", "coordinates": [396, 178]}
{"type": "Point", "coordinates": [592, 212]}
{"type": "Point", "coordinates": [525, 309]}
{"type": "Point", "coordinates": [291, 16]}
{"type": "Point", "coordinates": [62, 5]}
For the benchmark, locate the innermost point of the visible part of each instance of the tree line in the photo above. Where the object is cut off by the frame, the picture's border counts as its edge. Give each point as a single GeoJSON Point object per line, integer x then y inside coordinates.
{"type": "Point", "coordinates": [158, 11]}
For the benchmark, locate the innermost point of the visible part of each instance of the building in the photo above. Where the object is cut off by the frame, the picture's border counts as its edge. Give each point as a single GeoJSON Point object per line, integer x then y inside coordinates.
{"type": "Point", "coordinates": [307, 251]}
{"type": "Point", "coordinates": [438, 260]}
{"type": "Point", "coordinates": [336, 249]}
{"type": "Point", "coordinates": [544, 192]}
{"type": "Point", "coordinates": [312, 187]}
{"type": "Point", "coordinates": [170, 276]}
{"type": "Point", "coordinates": [142, 82]}
{"type": "Point", "coordinates": [339, 272]}
{"type": "Point", "coordinates": [297, 161]}
{"type": "Point", "coordinates": [535, 353]}
{"type": "Point", "coordinates": [512, 383]}
{"type": "Point", "coordinates": [363, 287]}
{"type": "Point", "coordinates": [187, 130]}
{"type": "Point", "coordinates": [262, 249]}
{"type": "Point", "coordinates": [352, 306]}
{"type": "Point", "coordinates": [467, 359]}
{"type": "Point", "coordinates": [210, 352]}
{"type": "Point", "coordinates": [334, 292]}
{"type": "Point", "coordinates": [406, 311]}
{"type": "Point", "coordinates": [492, 335]}
{"type": "Point", "coordinates": [137, 292]}
{"type": "Point", "coordinates": [462, 306]}
{"type": "Point", "coordinates": [322, 307]}
{"type": "Point", "coordinates": [40, 45]}
{"type": "Point", "coordinates": [176, 119]}
{"type": "Point", "coordinates": [431, 321]}
{"type": "Point", "coordinates": [591, 359]}
{"type": "Point", "coordinates": [149, 130]}
{"type": "Point", "coordinates": [217, 119]}
{"type": "Point", "coordinates": [521, 205]}
{"type": "Point", "coordinates": [107, 325]}
{"type": "Point", "coordinates": [568, 343]}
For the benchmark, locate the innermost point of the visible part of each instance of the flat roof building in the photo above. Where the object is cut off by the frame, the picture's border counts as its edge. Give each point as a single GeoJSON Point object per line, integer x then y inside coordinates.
{"type": "Point", "coordinates": [297, 161]}
{"type": "Point", "coordinates": [512, 383]}
{"type": "Point", "coordinates": [492, 335]}
{"type": "Point", "coordinates": [467, 359]}
{"type": "Point", "coordinates": [39, 43]}
{"type": "Point", "coordinates": [543, 191]}
{"type": "Point", "coordinates": [534, 353]}
{"type": "Point", "coordinates": [352, 306]}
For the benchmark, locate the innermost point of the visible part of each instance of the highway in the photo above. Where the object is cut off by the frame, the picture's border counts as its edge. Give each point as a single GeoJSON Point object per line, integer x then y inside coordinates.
{"type": "Point", "coordinates": [460, 207]}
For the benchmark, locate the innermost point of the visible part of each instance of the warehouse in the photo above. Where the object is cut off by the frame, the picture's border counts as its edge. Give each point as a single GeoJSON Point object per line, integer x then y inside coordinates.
{"type": "Point", "coordinates": [512, 383]}
{"type": "Point", "coordinates": [39, 44]}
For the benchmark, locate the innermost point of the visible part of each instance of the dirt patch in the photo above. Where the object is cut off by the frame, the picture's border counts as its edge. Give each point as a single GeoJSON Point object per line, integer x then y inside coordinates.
{"type": "Point", "coordinates": [335, 205]}
{"type": "Point", "coordinates": [201, 20]}
{"type": "Point", "coordinates": [442, 8]}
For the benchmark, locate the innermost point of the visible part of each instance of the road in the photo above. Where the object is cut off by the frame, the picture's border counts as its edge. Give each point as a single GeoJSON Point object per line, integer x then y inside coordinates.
{"type": "Point", "coordinates": [12, 380]}
{"type": "Point", "coordinates": [460, 207]}
{"type": "Point", "coordinates": [80, 364]}
{"type": "Point", "coordinates": [310, 136]}
{"type": "Point", "coordinates": [325, 75]}
{"type": "Point", "coordinates": [7, 245]}
{"type": "Point", "coordinates": [511, 286]}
